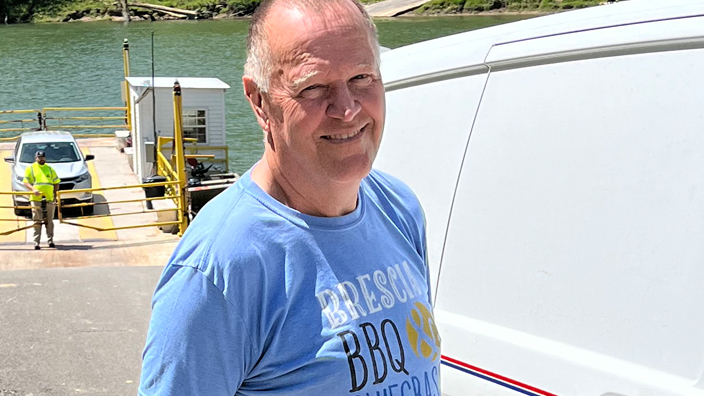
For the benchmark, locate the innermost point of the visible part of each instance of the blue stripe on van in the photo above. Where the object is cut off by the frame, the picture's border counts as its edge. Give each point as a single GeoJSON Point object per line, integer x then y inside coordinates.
{"type": "Point", "coordinates": [490, 379]}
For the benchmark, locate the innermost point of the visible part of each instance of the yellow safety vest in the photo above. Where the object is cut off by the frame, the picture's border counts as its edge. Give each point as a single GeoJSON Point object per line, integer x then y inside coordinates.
{"type": "Point", "coordinates": [43, 178]}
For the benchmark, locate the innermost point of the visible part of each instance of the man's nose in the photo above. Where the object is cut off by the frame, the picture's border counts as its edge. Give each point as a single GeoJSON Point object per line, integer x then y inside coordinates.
{"type": "Point", "coordinates": [343, 104]}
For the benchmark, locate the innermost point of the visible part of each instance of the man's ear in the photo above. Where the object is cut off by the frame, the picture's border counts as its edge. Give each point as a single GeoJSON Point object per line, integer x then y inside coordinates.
{"type": "Point", "coordinates": [256, 100]}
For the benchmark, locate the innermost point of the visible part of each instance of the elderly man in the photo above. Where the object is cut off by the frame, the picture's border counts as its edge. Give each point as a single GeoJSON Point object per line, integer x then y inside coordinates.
{"type": "Point", "coordinates": [308, 277]}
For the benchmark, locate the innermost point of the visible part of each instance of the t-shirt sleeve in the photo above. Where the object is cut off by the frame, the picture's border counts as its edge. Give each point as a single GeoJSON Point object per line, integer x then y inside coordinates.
{"type": "Point", "coordinates": [197, 342]}
{"type": "Point", "coordinates": [54, 177]}
{"type": "Point", "coordinates": [28, 175]}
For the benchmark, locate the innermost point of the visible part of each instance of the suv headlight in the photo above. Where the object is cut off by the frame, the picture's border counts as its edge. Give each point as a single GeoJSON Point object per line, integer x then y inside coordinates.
{"type": "Point", "coordinates": [83, 177]}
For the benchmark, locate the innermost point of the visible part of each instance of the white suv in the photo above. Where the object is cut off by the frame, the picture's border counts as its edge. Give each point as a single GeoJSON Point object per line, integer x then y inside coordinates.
{"type": "Point", "coordinates": [63, 154]}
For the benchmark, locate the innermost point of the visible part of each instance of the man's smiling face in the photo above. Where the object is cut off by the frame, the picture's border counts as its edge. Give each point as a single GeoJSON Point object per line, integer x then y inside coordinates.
{"type": "Point", "coordinates": [326, 97]}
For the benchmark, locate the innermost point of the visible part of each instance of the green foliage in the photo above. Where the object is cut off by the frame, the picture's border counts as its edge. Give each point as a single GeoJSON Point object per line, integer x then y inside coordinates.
{"type": "Point", "coordinates": [523, 5]}
{"type": "Point", "coordinates": [447, 6]}
{"type": "Point", "coordinates": [42, 10]}
{"type": "Point", "coordinates": [549, 5]}
{"type": "Point", "coordinates": [435, 6]}
{"type": "Point", "coordinates": [573, 4]}
{"type": "Point", "coordinates": [242, 7]}
{"type": "Point", "coordinates": [475, 5]}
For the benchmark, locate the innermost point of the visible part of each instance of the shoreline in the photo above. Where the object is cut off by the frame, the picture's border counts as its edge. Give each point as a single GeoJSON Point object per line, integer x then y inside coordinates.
{"type": "Point", "coordinates": [500, 12]}
{"type": "Point", "coordinates": [224, 16]}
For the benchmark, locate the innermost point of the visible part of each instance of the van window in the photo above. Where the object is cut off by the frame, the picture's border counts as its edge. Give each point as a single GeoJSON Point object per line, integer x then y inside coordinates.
{"type": "Point", "coordinates": [579, 212]}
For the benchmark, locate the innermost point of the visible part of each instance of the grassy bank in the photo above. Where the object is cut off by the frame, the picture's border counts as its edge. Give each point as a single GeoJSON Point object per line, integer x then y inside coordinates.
{"type": "Point", "coordinates": [478, 6]}
{"type": "Point", "coordinates": [18, 11]}
{"type": "Point", "coordinates": [67, 10]}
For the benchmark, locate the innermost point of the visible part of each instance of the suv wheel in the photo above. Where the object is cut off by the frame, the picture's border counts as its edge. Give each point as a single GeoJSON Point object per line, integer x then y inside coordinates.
{"type": "Point", "coordinates": [88, 210]}
{"type": "Point", "coordinates": [22, 212]}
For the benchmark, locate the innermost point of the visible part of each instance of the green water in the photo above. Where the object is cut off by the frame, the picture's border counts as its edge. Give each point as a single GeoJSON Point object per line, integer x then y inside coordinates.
{"type": "Point", "coordinates": [80, 64]}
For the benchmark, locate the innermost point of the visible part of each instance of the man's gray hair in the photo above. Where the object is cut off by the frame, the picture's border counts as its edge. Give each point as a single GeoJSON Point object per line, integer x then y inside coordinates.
{"type": "Point", "coordinates": [260, 63]}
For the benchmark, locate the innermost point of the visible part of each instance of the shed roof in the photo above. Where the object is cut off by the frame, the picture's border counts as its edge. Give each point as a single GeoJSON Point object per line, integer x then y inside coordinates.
{"type": "Point", "coordinates": [185, 82]}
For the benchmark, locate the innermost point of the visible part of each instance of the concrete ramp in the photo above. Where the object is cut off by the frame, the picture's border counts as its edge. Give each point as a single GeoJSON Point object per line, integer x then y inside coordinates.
{"type": "Point", "coordinates": [392, 8]}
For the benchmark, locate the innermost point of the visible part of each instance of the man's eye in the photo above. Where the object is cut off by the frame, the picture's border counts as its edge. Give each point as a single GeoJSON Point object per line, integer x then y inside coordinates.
{"type": "Point", "coordinates": [311, 88]}
{"type": "Point", "coordinates": [361, 77]}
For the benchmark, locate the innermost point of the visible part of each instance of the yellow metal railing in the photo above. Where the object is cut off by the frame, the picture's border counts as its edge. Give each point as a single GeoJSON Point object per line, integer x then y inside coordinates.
{"type": "Point", "coordinates": [19, 111]}
{"type": "Point", "coordinates": [47, 117]}
{"type": "Point", "coordinates": [180, 160]}
{"type": "Point", "coordinates": [200, 148]}
{"type": "Point", "coordinates": [163, 168]}
{"type": "Point", "coordinates": [22, 123]}
{"type": "Point", "coordinates": [125, 84]}
{"type": "Point", "coordinates": [15, 219]}
{"type": "Point", "coordinates": [195, 150]}
{"type": "Point", "coordinates": [77, 122]}
{"type": "Point", "coordinates": [177, 209]}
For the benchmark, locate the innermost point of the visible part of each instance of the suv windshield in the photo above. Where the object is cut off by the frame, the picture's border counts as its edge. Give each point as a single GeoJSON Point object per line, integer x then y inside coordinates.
{"type": "Point", "coordinates": [55, 152]}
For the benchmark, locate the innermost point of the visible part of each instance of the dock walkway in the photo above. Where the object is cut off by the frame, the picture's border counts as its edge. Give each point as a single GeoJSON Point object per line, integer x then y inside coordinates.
{"type": "Point", "coordinates": [392, 8]}
{"type": "Point", "coordinates": [80, 246]}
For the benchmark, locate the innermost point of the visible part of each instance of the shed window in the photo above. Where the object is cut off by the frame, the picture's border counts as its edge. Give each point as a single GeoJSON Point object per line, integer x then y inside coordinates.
{"type": "Point", "coordinates": [195, 125]}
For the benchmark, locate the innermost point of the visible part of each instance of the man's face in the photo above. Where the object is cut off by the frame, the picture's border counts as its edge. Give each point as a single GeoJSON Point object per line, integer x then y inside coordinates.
{"type": "Point", "coordinates": [326, 98]}
{"type": "Point", "coordinates": [41, 160]}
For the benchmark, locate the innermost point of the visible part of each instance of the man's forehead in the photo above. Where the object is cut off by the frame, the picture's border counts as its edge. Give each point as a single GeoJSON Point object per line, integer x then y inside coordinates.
{"type": "Point", "coordinates": [292, 26]}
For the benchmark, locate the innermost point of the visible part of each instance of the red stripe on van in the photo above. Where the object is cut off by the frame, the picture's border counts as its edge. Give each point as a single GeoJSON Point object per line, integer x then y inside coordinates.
{"type": "Point", "coordinates": [497, 376]}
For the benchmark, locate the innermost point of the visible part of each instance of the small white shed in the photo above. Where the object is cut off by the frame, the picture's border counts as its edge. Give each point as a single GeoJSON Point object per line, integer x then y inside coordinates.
{"type": "Point", "coordinates": [203, 115]}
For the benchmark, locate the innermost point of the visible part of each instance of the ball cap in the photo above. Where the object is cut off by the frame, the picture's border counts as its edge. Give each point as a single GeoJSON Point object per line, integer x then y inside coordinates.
{"type": "Point", "coordinates": [40, 153]}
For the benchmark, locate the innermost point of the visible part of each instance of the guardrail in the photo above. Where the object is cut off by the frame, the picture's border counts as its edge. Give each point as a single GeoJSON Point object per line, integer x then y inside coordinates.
{"type": "Point", "coordinates": [15, 219]}
{"type": "Point", "coordinates": [60, 119]}
{"type": "Point", "coordinates": [60, 207]}
{"type": "Point", "coordinates": [23, 123]}
{"type": "Point", "coordinates": [196, 150]}
{"type": "Point", "coordinates": [177, 209]}
{"type": "Point", "coordinates": [163, 168]}
{"type": "Point", "coordinates": [87, 118]}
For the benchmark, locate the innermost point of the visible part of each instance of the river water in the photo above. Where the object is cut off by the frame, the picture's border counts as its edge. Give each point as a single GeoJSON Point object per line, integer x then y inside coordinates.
{"type": "Point", "coordinates": [80, 64]}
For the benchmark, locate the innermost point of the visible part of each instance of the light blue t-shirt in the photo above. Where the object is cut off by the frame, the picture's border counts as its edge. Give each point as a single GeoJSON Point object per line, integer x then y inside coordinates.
{"type": "Point", "coordinates": [261, 299]}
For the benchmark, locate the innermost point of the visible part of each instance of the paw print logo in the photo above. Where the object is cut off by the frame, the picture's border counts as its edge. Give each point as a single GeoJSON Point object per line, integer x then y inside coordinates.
{"type": "Point", "coordinates": [422, 333]}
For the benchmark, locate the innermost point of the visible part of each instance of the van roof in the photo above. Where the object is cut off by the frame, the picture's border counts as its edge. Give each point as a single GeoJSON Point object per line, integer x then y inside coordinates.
{"type": "Point", "coordinates": [471, 48]}
{"type": "Point", "coordinates": [47, 136]}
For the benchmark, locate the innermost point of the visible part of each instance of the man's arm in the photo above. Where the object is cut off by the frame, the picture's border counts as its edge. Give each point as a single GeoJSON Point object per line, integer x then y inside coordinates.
{"type": "Point", "coordinates": [197, 343]}
{"type": "Point", "coordinates": [28, 181]}
{"type": "Point", "coordinates": [55, 180]}
{"type": "Point", "coordinates": [31, 188]}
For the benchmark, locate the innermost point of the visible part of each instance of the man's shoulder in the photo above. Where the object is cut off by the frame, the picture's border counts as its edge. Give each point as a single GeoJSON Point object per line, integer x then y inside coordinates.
{"type": "Point", "coordinates": [387, 187]}
{"type": "Point", "coordinates": [396, 201]}
{"type": "Point", "coordinates": [233, 229]}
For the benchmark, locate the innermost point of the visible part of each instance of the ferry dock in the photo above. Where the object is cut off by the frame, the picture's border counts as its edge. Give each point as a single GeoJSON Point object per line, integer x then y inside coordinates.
{"type": "Point", "coordinates": [79, 246]}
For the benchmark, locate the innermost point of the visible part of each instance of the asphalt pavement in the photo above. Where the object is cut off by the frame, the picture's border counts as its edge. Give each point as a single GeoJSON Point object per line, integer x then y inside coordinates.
{"type": "Point", "coordinates": [74, 331]}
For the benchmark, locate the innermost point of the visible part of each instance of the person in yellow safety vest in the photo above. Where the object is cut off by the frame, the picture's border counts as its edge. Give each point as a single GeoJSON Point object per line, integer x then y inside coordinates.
{"type": "Point", "coordinates": [42, 180]}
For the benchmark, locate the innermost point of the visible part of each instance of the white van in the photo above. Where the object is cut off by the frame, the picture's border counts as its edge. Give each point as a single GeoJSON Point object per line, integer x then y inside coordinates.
{"type": "Point", "coordinates": [560, 162]}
